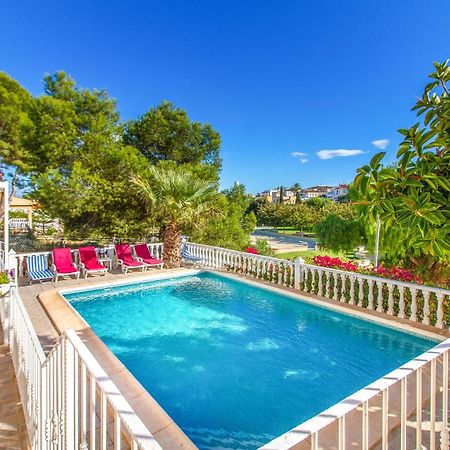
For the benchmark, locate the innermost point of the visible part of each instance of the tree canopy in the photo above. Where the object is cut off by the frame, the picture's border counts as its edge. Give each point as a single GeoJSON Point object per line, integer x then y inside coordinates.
{"type": "Point", "coordinates": [166, 133]}
{"type": "Point", "coordinates": [77, 158]}
{"type": "Point", "coordinates": [412, 198]}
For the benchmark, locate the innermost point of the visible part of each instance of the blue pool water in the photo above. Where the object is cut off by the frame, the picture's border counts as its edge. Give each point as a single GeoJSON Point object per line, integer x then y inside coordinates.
{"type": "Point", "coordinates": [235, 365]}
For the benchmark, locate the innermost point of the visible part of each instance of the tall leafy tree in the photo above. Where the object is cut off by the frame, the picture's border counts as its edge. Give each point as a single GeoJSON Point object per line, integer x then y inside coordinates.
{"type": "Point", "coordinates": [337, 234]}
{"type": "Point", "coordinates": [412, 199]}
{"type": "Point", "coordinates": [79, 169]}
{"type": "Point", "coordinates": [165, 133]}
{"type": "Point", "coordinates": [178, 199]}
{"type": "Point", "coordinates": [231, 225]}
{"type": "Point", "coordinates": [15, 104]}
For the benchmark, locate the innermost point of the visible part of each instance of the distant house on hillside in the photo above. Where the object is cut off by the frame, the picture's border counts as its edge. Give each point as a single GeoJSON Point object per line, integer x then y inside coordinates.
{"type": "Point", "coordinates": [337, 192]}
{"type": "Point", "coordinates": [273, 196]}
{"type": "Point", "coordinates": [315, 191]}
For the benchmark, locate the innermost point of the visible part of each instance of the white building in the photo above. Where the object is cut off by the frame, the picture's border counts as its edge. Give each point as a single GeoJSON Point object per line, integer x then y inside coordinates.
{"type": "Point", "coordinates": [315, 191]}
{"type": "Point", "coordinates": [337, 192]}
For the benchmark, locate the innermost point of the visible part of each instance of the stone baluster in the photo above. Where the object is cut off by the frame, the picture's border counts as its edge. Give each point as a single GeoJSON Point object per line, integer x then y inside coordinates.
{"type": "Point", "coordinates": [280, 274]}
{"type": "Point", "coordinates": [352, 290]}
{"type": "Point", "coordinates": [440, 311]}
{"type": "Point", "coordinates": [370, 294]}
{"type": "Point", "coordinates": [413, 304]}
{"type": "Point", "coordinates": [336, 290]}
{"type": "Point", "coordinates": [328, 284]}
{"type": "Point", "coordinates": [343, 282]}
{"type": "Point", "coordinates": [320, 281]}
{"type": "Point", "coordinates": [390, 310]}
{"type": "Point", "coordinates": [360, 299]}
{"type": "Point", "coordinates": [313, 280]}
{"type": "Point", "coordinates": [380, 296]}
{"type": "Point", "coordinates": [426, 307]}
{"type": "Point", "coordinates": [401, 302]}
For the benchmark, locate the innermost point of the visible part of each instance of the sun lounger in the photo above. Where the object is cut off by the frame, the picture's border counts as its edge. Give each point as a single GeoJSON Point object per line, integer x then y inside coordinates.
{"type": "Point", "coordinates": [89, 262]}
{"type": "Point", "coordinates": [126, 260]}
{"type": "Point", "coordinates": [37, 268]}
{"type": "Point", "coordinates": [189, 257]}
{"type": "Point", "coordinates": [63, 263]}
{"type": "Point", "coordinates": [143, 254]}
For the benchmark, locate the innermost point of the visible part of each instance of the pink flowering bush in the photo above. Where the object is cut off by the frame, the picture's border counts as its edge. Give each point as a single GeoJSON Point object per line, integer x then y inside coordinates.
{"type": "Point", "coordinates": [397, 273]}
{"type": "Point", "coordinates": [334, 263]}
{"type": "Point", "coordinates": [393, 273]}
{"type": "Point", "coordinates": [251, 250]}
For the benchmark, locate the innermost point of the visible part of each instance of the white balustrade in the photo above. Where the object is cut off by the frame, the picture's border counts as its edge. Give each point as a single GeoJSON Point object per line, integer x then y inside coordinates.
{"type": "Point", "coordinates": [275, 270]}
{"type": "Point", "coordinates": [385, 413]}
{"type": "Point", "coordinates": [425, 304]}
{"type": "Point", "coordinates": [70, 402]}
{"type": "Point", "coordinates": [68, 399]}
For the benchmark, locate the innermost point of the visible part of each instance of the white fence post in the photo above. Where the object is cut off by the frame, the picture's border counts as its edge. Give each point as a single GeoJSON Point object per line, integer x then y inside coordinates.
{"type": "Point", "coordinates": [69, 400]}
{"type": "Point", "coordinates": [298, 272]}
{"type": "Point", "coordinates": [12, 264]}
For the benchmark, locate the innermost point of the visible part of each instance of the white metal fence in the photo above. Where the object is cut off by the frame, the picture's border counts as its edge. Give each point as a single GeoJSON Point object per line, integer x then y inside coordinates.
{"type": "Point", "coordinates": [425, 304]}
{"type": "Point", "coordinates": [68, 399]}
{"type": "Point", "coordinates": [71, 403]}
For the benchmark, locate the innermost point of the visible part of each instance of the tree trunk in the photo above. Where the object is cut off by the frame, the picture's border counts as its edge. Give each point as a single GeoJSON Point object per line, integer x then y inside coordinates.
{"type": "Point", "coordinates": [172, 246]}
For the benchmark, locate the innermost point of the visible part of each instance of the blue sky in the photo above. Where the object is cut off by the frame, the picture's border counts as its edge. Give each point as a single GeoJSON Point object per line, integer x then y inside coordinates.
{"type": "Point", "coordinates": [273, 77]}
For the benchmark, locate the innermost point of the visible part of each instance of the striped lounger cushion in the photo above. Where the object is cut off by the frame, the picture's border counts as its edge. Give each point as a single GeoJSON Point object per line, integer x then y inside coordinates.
{"type": "Point", "coordinates": [38, 268]}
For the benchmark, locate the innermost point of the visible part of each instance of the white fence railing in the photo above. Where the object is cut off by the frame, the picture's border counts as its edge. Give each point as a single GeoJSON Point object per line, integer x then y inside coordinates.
{"type": "Point", "coordinates": [425, 304]}
{"type": "Point", "coordinates": [67, 394]}
{"type": "Point", "coordinates": [18, 261]}
{"type": "Point", "coordinates": [68, 399]}
{"type": "Point", "coordinates": [405, 410]}
{"type": "Point", "coordinates": [19, 224]}
{"type": "Point", "coordinates": [274, 270]}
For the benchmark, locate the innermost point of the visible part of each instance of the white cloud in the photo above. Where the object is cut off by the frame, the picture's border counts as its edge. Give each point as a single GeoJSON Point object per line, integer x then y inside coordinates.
{"type": "Point", "coordinates": [341, 152]}
{"type": "Point", "coordinates": [380, 143]}
{"type": "Point", "coordinates": [304, 160]}
{"type": "Point", "coordinates": [297, 154]}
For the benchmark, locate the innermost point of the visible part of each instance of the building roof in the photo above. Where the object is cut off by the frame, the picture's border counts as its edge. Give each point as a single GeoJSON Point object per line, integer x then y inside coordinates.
{"type": "Point", "coordinates": [19, 202]}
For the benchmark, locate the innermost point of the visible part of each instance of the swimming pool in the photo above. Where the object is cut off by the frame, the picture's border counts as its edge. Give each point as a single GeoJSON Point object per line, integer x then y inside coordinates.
{"type": "Point", "coordinates": [236, 365]}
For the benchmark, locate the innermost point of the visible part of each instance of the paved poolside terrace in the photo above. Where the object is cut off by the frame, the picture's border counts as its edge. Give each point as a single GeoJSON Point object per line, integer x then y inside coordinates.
{"type": "Point", "coordinates": [50, 318]}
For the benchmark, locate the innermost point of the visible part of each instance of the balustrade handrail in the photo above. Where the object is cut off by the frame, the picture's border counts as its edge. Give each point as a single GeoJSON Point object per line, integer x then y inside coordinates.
{"type": "Point", "coordinates": [351, 403]}
{"type": "Point", "coordinates": [379, 279]}
{"type": "Point", "coordinates": [24, 355]}
{"type": "Point", "coordinates": [28, 325]}
{"type": "Point", "coordinates": [237, 252]}
{"type": "Point", "coordinates": [128, 417]}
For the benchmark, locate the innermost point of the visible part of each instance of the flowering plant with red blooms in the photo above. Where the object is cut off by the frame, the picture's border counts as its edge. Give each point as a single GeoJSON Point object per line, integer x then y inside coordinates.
{"type": "Point", "coordinates": [251, 250]}
{"type": "Point", "coordinates": [397, 273]}
{"type": "Point", "coordinates": [334, 263]}
{"type": "Point", "coordinates": [393, 273]}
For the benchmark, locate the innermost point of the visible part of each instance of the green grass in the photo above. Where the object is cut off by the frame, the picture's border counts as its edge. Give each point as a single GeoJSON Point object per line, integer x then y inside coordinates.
{"type": "Point", "coordinates": [311, 253]}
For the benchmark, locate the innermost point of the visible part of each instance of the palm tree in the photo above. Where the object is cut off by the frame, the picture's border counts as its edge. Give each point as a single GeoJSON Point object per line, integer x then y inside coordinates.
{"type": "Point", "coordinates": [177, 198]}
